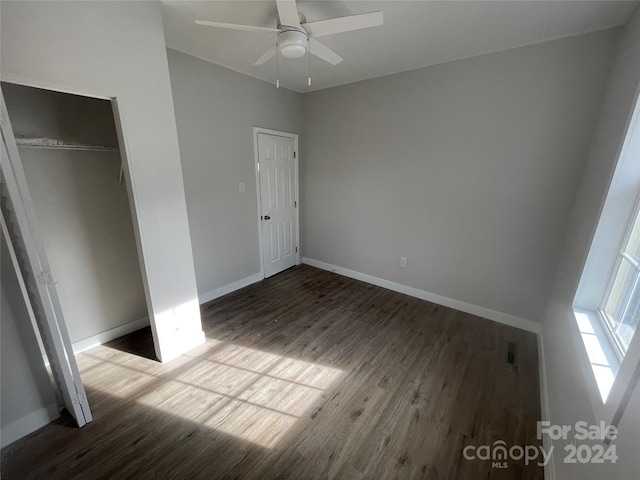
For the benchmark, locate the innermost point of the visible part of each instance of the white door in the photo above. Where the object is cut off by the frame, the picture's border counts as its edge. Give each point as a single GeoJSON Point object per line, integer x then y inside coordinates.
{"type": "Point", "coordinates": [19, 226]}
{"type": "Point", "coordinates": [278, 202]}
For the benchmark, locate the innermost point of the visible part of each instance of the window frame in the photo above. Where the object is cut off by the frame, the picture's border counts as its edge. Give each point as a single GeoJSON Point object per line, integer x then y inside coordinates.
{"type": "Point", "coordinates": [605, 318]}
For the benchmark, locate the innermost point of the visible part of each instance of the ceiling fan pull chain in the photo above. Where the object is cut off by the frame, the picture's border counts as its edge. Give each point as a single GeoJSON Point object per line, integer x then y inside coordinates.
{"type": "Point", "coordinates": [309, 65]}
{"type": "Point", "coordinates": [277, 68]}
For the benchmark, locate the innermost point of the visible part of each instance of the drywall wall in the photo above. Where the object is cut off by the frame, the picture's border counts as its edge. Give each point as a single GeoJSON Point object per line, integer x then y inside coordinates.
{"type": "Point", "coordinates": [469, 169]}
{"type": "Point", "coordinates": [28, 398]}
{"type": "Point", "coordinates": [84, 217]}
{"type": "Point", "coordinates": [116, 49]}
{"type": "Point", "coordinates": [216, 110]}
{"type": "Point", "coordinates": [567, 388]}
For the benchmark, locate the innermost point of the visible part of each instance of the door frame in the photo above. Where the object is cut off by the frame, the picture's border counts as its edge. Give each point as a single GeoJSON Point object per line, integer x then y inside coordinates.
{"type": "Point", "coordinates": [277, 133]}
{"type": "Point", "coordinates": [119, 119]}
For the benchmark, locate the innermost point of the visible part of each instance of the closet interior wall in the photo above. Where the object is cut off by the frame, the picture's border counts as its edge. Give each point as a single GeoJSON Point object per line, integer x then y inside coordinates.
{"type": "Point", "coordinates": [82, 208]}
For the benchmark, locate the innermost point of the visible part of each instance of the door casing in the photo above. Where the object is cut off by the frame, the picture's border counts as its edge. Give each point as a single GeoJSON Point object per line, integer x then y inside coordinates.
{"type": "Point", "coordinates": [294, 136]}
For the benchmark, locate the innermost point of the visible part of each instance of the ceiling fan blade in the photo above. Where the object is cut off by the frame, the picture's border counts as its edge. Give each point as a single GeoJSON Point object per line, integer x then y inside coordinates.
{"type": "Point", "coordinates": [266, 56]}
{"type": "Point", "coordinates": [288, 13]}
{"type": "Point", "coordinates": [324, 52]}
{"type": "Point", "coordinates": [343, 24]}
{"type": "Point", "coordinates": [233, 26]}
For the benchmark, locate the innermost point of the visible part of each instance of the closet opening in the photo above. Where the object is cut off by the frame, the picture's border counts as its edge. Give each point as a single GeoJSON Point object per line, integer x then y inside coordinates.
{"type": "Point", "coordinates": [76, 172]}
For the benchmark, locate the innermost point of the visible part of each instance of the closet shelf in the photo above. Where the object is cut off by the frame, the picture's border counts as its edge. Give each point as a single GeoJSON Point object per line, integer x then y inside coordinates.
{"type": "Point", "coordinates": [59, 144]}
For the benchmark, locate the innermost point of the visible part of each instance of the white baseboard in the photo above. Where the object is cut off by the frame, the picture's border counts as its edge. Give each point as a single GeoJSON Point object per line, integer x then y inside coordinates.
{"type": "Point", "coordinates": [483, 312]}
{"type": "Point", "coordinates": [109, 335]}
{"type": "Point", "coordinates": [28, 424]}
{"type": "Point", "coordinates": [130, 327]}
{"type": "Point", "coordinates": [231, 287]}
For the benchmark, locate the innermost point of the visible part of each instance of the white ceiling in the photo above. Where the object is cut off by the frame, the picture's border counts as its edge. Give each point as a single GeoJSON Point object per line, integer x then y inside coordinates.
{"type": "Point", "coordinates": [415, 33]}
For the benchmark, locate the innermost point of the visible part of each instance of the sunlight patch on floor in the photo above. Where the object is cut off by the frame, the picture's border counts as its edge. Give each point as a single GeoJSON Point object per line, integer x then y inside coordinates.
{"type": "Point", "coordinates": [248, 393]}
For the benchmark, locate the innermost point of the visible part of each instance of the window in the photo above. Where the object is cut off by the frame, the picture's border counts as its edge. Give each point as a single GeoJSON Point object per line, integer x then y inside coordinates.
{"type": "Point", "coordinates": [620, 307]}
{"type": "Point", "coordinates": [607, 302]}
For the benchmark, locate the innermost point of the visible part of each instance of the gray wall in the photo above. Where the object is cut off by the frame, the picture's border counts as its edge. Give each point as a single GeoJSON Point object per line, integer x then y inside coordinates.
{"type": "Point", "coordinates": [26, 388]}
{"type": "Point", "coordinates": [567, 387]}
{"type": "Point", "coordinates": [469, 169]}
{"type": "Point", "coordinates": [85, 220]}
{"type": "Point", "coordinates": [216, 110]}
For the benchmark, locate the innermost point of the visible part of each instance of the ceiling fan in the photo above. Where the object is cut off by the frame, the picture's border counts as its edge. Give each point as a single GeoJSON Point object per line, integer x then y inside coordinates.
{"type": "Point", "coordinates": [296, 37]}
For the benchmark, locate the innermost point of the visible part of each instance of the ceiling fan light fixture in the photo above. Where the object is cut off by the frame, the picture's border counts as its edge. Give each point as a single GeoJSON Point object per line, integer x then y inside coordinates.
{"type": "Point", "coordinates": [292, 43]}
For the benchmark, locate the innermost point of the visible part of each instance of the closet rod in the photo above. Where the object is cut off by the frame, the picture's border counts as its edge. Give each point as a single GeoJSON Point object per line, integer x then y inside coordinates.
{"type": "Point", "coordinates": [58, 144]}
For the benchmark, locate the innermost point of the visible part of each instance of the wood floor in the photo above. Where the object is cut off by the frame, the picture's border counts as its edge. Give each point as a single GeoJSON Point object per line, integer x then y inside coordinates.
{"type": "Point", "coordinates": [307, 375]}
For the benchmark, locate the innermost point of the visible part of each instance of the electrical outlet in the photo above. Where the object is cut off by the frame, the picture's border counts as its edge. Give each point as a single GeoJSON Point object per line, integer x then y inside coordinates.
{"type": "Point", "coordinates": [241, 186]}
{"type": "Point", "coordinates": [403, 261]}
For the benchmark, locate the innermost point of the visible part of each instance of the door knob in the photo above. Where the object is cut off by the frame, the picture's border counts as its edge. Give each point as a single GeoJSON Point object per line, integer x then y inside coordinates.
{"type": "Point", "coordinates": [267, 217]}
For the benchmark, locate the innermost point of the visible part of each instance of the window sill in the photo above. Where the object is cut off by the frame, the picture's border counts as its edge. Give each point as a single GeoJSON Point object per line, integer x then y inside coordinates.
{"type": "Point", "coordinates": [602, 356]}
{"type": "Point", "coordinates": [609, 380]}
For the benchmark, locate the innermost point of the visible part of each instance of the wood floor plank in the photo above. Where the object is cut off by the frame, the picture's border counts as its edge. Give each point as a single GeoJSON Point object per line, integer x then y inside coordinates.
{"type": "Point", "coordinates": [306, 375]}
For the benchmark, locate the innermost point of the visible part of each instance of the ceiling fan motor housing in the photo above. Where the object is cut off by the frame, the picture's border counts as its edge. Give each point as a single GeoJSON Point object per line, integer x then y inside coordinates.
{"type": "Point", "coordinates": [292, 43]}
